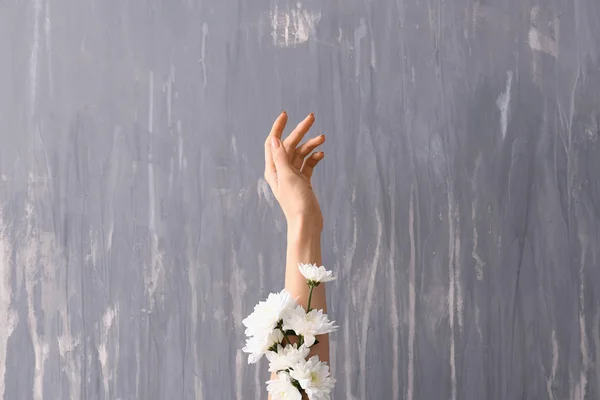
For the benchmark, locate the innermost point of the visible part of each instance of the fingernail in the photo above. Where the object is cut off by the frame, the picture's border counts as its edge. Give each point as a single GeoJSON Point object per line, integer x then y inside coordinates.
{"type": "Point", "coordinates": [274, 142]}
{"type": "Point", "coordinates": [284, 112]}
{"type": "Point", "coordinates": [311, 115]}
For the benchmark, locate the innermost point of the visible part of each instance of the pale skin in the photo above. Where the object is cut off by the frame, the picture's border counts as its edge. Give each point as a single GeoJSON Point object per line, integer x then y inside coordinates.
{"type": "Point", "coordinates": [289, 166]}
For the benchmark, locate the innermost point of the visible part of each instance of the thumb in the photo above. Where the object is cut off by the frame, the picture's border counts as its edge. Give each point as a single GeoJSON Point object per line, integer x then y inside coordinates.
{"type": "Point", "coordinates": [280, 158]}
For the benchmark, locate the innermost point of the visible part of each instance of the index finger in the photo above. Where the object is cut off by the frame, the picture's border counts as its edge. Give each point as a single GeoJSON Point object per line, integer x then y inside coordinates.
{"type": "Point", "coordinates": [279, 125]}
{"type": "Point", "coordinates": [277, 131]}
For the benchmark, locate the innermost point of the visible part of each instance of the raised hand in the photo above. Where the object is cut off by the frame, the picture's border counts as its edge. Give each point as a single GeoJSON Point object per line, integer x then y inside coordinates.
{"type": "Point", "coordinates": [289, 167]}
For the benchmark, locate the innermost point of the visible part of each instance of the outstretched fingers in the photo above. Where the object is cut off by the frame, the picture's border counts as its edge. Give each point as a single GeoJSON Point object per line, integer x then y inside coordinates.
{"type": "Point", "coordinates": [305, 149]}
{"type": "Point", "coordinates": [311, 162]}
{"type": "Point", "coordinates": [298, 133]}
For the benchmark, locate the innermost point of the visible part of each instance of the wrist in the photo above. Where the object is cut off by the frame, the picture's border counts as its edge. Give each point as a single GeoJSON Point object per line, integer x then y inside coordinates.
{"type": "Point", "coordinates": [304, 228]}
{"type": "Point", "coordinates": [303, 243]}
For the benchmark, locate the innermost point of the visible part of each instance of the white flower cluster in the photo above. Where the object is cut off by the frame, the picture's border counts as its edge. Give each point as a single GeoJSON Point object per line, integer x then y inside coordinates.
{"type": "Point", "coordinates": [284, 332]}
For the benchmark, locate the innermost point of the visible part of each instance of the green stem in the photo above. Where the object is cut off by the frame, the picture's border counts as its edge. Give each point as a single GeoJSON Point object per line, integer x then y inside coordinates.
{"type": "Point", "coordinates": [285, 336]}
{"type": "Point", "coordinates": [309, 298]}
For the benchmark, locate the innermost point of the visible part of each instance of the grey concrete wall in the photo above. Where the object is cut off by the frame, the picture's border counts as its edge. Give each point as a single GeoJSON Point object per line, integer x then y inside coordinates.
{"type": "Point", "coordinates": [460, 189]}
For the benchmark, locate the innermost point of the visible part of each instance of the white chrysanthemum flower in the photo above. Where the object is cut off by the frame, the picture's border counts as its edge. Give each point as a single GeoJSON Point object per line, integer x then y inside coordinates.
{"type": "Point", "coordinates": [268, 313]}
{"type": "Point", "coordinates": [313, 376]}
{"type": "Point", "coordinates": [309, 324]}
{"type": "Point", "coordinates": [286, 356]}
{"type": "Point", "coordinates": [282, 388]}
{"type": "Point", "coordinates": [257, 346]}
{"type": "Point", "coordinates": [315, 275]}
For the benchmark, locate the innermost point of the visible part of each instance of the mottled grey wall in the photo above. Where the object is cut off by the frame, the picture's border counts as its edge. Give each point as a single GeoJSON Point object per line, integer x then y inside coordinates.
{"type": "Point", "coordinates": [460, 189]}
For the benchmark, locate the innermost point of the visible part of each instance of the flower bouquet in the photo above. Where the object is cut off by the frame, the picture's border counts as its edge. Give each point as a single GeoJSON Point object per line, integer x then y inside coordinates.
{"type": "Point", "coordinates": [284, 332]}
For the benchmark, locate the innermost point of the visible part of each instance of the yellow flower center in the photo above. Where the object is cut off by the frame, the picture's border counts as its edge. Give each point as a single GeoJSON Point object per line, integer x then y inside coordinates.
{"type": "Point", "coordinates": [313, 376]}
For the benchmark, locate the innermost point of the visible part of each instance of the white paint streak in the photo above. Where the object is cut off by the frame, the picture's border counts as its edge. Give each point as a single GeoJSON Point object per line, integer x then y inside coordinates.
{"type": "Point", "coordinates": [550, 380]}
{"type": "Point", "coordinates": [359, 34]}
{"type": "Point", "coordinates": [373, 57]}
{"type": "Point", "coordinates": [93, 255]}
{"type": "Point", "coordinates": [294, 26]}
{"type": "Point", "coordinates": [42, 274]}
{"type": "Point", "coordinates": [138, 369]}
{"type": "Point", "coordinates": [349, 255]}
{"type": "Point", "coordinates": [538, 41]}
{"type": "Point", "coordinates": [34, 57]}
{"type": "Point", "coordinates": [581, 386]}
{"type": "Point", "coordinates": [478, 321]}
{"type": "Point", "coordinates": [411, 300]}
{"type": "Point", "coordinates": [113, 176]}
{"type": "Point", "coordinates": [169, 89]}
{"type": "Point", "coordinates": [479, 264]}
{"type": "Point", "coordinates": [451, 296]}
{"type": "Point", "coordinates": [239, 374]}
{"type": "Point", "coordinates": [597, 345]}
{"type": "Point", "coordinates": [349, 350]}
{"type": "Point", "coordinates": [192, 270]}
{"type": "Point", "coordinates": [28, 257]}
{"type": "Point", "coordinates": [258, 387]}
{"type": "Point", "coordinates": [108, 362]}
{"type": "Point", "coordinates": [503, 102]}
{"type": "Point", "coordinates": [234, 149]}
{"type": "Point", "coordinates": [264, 192]}
{"type": "Point", "coordinates": [394, 317]}
{"type": "Point", "coordinates": [8, 315]}
{"type": "Point", "coordinates": [171, 170]}
{"type": "Point", "coordinates": [457, 274]}
{"type": "Point", "coordinates": [47, 30]}
{"type": "Point", "coordinates": [203, 51]}
{"type": "Point", "coordinates": [153, 277]}
{"type": "Point", "coordinates": [237, 290]}
{"type": "Point", "coordinates": [543, 43]}
{"type": "Point", "coordinates": [151, 102]}
{"type": "Point", "coordinates": [180, 145]}
{"type": "Point", "coordinates": [368, 305]}
{"type": "Point", "coordinates": [554, 354]}
{"type": "Point", "coordinates": [348, 259]}
{"type": "Point", "coordinates": [261, 269]}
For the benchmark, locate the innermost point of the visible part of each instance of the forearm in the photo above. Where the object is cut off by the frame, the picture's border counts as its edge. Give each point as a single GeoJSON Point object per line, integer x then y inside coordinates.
{"type": "Point", "coordinates": [304, 246]}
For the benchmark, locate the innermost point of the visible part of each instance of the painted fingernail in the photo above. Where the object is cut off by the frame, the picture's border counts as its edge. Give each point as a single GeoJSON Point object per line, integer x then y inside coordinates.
{"type": "Point", "coordinates": [274, 142]}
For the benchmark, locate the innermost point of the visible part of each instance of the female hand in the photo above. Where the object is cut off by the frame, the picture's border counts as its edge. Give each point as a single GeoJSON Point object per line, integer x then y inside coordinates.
{"type": "Point", "coordinates": [288, 170]}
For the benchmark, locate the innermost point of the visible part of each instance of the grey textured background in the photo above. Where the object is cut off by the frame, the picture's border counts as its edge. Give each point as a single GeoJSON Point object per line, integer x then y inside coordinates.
{"type": "Point", "coordinates": [460, 189]}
